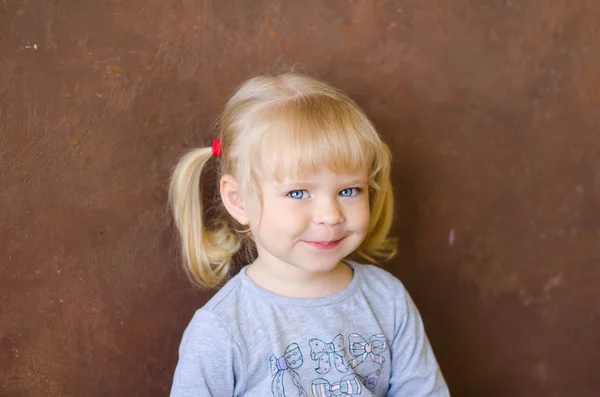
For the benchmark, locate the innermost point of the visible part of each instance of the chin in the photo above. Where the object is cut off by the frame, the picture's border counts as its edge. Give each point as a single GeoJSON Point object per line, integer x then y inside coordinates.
{"type": "Point", "coordinates": [322, 267]}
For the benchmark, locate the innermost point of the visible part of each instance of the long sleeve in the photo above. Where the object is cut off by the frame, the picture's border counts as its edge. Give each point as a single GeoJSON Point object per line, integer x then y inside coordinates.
{"type": "Point", "coordinates": [415, 371]}
{"type": "Point", "coordinates": [210, 362]}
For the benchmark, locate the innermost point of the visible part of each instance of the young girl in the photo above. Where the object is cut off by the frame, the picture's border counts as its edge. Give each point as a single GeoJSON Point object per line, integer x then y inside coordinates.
{"type": "Point", "coordinates": [304, 179]}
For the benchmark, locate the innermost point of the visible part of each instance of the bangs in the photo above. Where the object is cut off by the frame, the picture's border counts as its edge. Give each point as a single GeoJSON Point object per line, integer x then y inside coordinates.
{"type": "Point", "coordinates": [304, 135]}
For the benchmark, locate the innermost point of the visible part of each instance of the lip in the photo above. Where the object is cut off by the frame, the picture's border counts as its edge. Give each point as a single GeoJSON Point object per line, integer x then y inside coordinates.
{"type": "Point", "coordinates": [324, 245]}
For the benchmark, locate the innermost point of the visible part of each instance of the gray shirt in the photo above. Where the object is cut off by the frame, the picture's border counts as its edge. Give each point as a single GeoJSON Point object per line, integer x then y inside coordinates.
{"type": "Point", "coordinates": [367, 340]}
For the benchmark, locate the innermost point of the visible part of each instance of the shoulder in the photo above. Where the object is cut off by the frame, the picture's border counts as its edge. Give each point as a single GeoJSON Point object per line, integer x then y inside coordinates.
{"type": "Point", "coordinates": [208, 334]}
{"type": "Point", "coordinates": [204, 324]}
{"type": "Point", "coordinates": [382, 286]}
{"type": "Point", "coordinates": [210, 358]}
{"type": "Point", "coordinates": [386, 293]}
{"type": "Point", "coordinates": [228, 311]}
{"type": "Point", "coordinates": [227, 294]}
{"type": "Point", "coordinates": [375, 278]}
{"type": "Point", "coordinates": [212, 318]}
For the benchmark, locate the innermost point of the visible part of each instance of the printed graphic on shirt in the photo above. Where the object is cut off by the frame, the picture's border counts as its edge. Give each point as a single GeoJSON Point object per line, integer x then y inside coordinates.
{"type": "Point", "coordinates": [325, 353]}
{"type": "Point", "coordinates": [286, 381]}
{"type": "Point", "coordinates": [350, 385]}
{"type": "Point", "coordinates": [367, 357]}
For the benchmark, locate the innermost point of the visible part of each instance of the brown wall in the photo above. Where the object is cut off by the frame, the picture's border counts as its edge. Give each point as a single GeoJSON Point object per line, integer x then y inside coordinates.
{"type": "Point", "coordinates": [492, 109]}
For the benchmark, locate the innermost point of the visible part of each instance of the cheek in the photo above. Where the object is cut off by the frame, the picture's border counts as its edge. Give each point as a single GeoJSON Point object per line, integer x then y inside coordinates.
{"type": "Point", "coordinates": [283, 219]}
{"type": "Point", "coordinates": [361, 215]}
{"type": "Point", "coordinates": [275, 218]}
{"type": "Point", "coordinates": [253, 211]}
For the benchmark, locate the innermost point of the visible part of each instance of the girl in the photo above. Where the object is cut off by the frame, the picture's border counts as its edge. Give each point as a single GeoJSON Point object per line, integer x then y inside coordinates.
{"type": "Point", "coordinates": [305, 180]}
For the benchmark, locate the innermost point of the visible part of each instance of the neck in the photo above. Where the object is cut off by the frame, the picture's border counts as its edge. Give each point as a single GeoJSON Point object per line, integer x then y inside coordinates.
{"type": "Point", "coordinates": [293, 282]}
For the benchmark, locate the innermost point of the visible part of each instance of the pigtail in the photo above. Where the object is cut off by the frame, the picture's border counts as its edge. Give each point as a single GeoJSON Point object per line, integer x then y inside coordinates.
{"type": "Point", "coordinates": [207, 253]}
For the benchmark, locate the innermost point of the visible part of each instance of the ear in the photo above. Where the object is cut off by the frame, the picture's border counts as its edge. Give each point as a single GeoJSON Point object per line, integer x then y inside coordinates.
{"type": "Point", "coordinates": [231, 195]}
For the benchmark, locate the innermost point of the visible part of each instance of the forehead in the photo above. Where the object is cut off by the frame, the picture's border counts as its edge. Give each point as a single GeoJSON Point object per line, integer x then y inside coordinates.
{"type": "Point", "coordinates": [322, 178]}
{"type": "Point", "coordinates": [298, 159]}
{"type": "Point", "coordinates": [312, 134]}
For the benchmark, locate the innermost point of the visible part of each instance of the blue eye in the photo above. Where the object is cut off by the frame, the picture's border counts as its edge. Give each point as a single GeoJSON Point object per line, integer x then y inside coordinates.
{"type": "Point", "coordinates": [297, 194]}
{"type": "Point", "coordinates": [349, 192]}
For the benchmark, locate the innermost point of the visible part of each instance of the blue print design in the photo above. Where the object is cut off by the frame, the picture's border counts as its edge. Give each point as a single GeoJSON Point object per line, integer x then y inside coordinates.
{"type": "Point", "coordinates": [325, 352]}
{"type": "Point", "coordinates": [286, 381]}
{"type": "Point", "coordinates": [368, 354]}
{"type": "Point", "coordinates": [350, 385]}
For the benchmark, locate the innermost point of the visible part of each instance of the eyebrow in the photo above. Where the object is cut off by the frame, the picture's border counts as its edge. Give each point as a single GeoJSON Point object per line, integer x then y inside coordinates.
{"type": "Point", "coordinates": [357, 182]}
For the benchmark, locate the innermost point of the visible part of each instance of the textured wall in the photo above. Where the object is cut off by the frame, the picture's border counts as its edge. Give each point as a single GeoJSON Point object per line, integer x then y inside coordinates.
{"type": "Point", "coordinates": [492, 109]}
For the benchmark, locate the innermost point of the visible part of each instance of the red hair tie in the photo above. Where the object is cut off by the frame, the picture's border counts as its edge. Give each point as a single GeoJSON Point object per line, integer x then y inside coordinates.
{"type": "Point", "coordinates": [216, 147]}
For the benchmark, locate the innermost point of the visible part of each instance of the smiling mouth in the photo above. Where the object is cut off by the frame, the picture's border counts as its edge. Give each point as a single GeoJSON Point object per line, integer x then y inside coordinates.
{"type": "Point", "coordinates": [324, 245]}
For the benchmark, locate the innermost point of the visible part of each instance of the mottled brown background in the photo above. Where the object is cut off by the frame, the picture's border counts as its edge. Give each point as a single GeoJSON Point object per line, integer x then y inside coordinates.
{"type": "Point", "coordinates": [492, 109]}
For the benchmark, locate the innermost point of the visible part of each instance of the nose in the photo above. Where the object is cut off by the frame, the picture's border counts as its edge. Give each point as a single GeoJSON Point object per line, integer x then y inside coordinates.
{"type": "Point", "coordinates": [329, 212]}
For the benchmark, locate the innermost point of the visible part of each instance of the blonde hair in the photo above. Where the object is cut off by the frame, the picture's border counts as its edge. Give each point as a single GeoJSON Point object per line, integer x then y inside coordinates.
{"type": "Point", "coordinates": [315, 126]}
